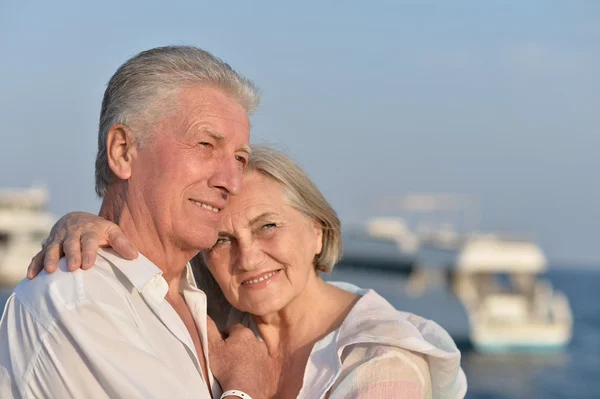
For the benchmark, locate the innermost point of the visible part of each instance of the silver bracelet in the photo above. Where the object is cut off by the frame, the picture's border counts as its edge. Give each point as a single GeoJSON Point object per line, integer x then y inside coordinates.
{"type": "Point", "coordinates": [234, 392]}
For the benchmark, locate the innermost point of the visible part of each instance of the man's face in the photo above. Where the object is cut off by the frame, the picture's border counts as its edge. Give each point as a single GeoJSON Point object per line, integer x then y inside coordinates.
{"type": "Point", "coordinates": [194, 162]}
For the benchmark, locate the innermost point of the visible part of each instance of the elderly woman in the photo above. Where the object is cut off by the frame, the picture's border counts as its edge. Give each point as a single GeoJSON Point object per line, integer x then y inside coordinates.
{"type": "Point", "coordinates": [338, 341]}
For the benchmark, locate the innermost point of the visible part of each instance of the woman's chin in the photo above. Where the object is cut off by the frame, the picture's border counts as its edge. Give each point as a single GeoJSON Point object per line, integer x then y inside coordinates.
{"type": "Point", "coordinates": [260, 310]}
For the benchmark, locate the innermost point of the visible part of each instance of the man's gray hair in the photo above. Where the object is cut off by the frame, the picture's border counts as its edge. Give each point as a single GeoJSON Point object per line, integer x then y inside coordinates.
{"type": "Point", "coordinates": [139, 93]}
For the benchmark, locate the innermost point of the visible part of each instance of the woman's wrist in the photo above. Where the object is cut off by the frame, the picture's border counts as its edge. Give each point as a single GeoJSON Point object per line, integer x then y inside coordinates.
{"type": "Point", "coordinates": [244, 387]}
{"type": "Point", "coordinates": [235, 393]}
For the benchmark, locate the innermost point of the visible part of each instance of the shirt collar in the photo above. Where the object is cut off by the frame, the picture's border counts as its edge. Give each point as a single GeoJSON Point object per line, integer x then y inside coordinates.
{"type": "Point", "coordinates": [188, 280]}
{"type": "Point", "coordinates": [145, 276]}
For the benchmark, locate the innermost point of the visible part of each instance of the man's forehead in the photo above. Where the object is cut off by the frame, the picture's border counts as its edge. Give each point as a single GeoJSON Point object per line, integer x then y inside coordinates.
{"type": "Point", "coordinates": [220, 137]}
{"type": "Point", "coordinates": [209, 103]}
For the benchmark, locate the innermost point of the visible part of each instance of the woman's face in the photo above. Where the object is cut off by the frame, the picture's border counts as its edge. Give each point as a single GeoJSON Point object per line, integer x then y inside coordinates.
{"type": "Point", "coordinates": [265, 253]}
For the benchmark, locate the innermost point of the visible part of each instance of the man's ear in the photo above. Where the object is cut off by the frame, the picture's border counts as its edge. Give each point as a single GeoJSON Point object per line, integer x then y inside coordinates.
{"type": "Point", "coordinates": [121, 150]}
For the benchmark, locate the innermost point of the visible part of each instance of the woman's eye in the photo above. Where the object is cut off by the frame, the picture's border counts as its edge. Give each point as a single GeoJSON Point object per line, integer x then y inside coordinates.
{"type": "Point", "coordinates": [268, 226]}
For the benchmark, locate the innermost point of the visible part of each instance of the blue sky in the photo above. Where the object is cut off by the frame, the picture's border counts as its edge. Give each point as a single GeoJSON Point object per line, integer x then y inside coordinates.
{"type": "Point", "coordinates": [496, 99]}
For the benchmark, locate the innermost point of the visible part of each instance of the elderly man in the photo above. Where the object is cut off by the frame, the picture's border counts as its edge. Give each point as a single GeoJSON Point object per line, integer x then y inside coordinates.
{"type": "Point", "coordinates": [172, 146]}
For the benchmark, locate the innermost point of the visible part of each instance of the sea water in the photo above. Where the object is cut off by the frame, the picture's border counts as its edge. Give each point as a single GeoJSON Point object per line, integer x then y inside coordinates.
{"type": "Point", "coordinates": [574, 373]}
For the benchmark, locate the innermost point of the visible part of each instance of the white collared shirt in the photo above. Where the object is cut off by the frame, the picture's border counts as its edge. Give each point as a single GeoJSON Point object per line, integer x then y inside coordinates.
{"type": "Point", "coordinates": [379, 352]}
{"type": "Point", "coordinates": [106, 332]}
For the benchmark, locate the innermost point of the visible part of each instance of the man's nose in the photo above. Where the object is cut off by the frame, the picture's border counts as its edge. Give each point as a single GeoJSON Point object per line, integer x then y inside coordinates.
{"type": "Point", "coordinates": [251, 256]}
{"type": "Point", "coordinates": [228, 176]}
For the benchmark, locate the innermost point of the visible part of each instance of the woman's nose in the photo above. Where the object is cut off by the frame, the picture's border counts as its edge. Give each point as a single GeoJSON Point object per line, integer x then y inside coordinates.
{"type": "Point", "coordinates": [251, 256]}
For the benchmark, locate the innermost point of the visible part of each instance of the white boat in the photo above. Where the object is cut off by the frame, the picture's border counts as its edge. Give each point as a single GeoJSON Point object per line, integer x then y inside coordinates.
{"type": "Point", "coordinates": [511, 307]}
{"type": "Point", "coordinates": [382, 254]}
{"type": "Point", "coordinates": [384, 242]}
{"type": "Point", "coordinates": [24, 222]}
{"type": "Point", "coordinates": [499, 282]}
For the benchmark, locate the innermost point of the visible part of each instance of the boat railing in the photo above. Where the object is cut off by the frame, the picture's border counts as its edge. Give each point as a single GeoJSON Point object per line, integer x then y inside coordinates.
{"type": "Point", "coordinates": [561, 311]}
{"type": "Point", "coordinates": [32, 198]}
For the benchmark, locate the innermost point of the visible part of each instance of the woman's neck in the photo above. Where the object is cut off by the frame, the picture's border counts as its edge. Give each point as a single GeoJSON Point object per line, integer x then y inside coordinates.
{"type": "Point", "coordinates": [292, 332]}
{"type": "Point", "coordinates": [318, 310]}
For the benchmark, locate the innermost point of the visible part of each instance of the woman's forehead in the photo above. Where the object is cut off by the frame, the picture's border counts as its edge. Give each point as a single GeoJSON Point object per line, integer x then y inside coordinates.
{"type": "Point", "coordinates": [257, 186]}
{"type": "Point", "coordinates": [259, 193]}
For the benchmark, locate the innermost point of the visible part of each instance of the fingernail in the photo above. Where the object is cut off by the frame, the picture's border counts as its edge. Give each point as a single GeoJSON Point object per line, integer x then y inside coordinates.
{"type": "Point", "coordinates": [70, 263]}
{"type": "Point", "coordinates": [86, 260]}
{"type": "Point", "coordinates": [47, 262]}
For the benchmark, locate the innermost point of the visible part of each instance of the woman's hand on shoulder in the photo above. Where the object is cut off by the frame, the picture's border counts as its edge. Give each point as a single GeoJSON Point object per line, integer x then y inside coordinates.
{"type": "Point", "coordinates": [78, 235]}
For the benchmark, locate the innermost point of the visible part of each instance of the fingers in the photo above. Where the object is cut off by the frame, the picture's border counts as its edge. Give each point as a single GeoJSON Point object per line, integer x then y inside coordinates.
{"type": "Point", "coordinates": [79, 235]}
{"type": "Point", "coordinates": [214, 335]}
{"type": "Point", "coordinates": [215, 338]}
{"type": "Point", "coordinates": [52, 253]}
{"type": "Point", "coordinates": [120, 243]}
{"type": "Point", "coordinates": [36, 265]}
{"type": "Point", "coordinates": [72, 250]}
{"type": "Point", "coordinates": [90, 242]}
{"type": "Point", "coordinates": [234, 329]}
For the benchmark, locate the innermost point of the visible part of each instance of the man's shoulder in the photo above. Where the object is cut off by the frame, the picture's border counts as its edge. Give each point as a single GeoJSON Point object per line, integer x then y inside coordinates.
{"type": "Point", "coordinates": [48, 294]}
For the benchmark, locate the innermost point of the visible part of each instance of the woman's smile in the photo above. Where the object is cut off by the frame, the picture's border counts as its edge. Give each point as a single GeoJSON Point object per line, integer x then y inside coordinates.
{"type": "Point", "coordinates": [261, 281]}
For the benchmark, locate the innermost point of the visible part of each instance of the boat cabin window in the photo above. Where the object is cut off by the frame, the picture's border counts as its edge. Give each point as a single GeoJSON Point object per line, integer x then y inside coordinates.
{"type": "Point", "coordinates": [506, 283]}
{"type": "Point", "coordinates": [4, 238]}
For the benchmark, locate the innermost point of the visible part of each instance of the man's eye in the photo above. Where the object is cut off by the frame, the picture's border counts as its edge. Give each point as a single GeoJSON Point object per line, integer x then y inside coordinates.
{"type": "Point", "coordinates": [205, 144]}
{"type": "Point", "coordinates": [241, 160]}
{"type": "Point", "coordinates": [222, 240]}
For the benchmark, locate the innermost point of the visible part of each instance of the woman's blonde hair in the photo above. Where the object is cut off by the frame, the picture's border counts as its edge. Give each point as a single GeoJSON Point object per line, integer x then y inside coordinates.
{"type": "Point", "coordinates": [302, 194]}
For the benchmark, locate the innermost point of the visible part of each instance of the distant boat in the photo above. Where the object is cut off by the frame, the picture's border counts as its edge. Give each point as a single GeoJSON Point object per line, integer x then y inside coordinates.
{"type": "Point", "coordinates": [24, 222]}
{"type": "Point", "coordinates": [382, 254]}
{"type": "Point", "coordinates": [384, 243]}
{"type": "Point", "coordinates": [487, 288]}
{"type": "Point", "coordinates": [511, 306]}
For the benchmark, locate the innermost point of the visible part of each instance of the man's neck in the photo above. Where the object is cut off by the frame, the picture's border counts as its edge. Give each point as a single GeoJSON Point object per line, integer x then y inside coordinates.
{"type": "Point", "coordinates": [141, 231]}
